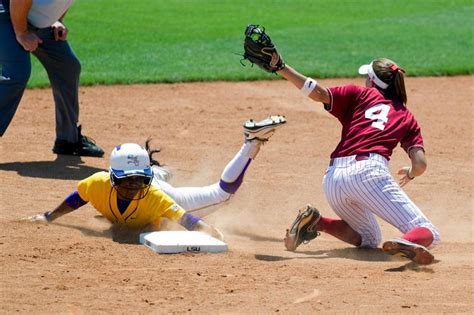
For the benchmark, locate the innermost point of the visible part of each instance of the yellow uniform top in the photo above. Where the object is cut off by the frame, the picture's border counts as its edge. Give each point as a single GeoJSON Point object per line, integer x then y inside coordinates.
{"type": "Point", "coordinates": [98, 190]}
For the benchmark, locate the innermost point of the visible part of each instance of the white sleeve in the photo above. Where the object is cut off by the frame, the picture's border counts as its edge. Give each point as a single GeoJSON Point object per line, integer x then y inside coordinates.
{"type": "Point", "coordinates": [44, 13]}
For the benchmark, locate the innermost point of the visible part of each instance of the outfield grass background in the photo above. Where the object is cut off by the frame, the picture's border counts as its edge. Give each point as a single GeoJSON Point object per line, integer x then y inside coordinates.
{"type": "Point", "coordinates": [146, 41]}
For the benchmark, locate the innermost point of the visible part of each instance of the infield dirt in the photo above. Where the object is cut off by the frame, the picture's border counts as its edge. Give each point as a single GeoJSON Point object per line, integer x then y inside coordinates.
{"type": "Point", "coordinates": [73, 266]}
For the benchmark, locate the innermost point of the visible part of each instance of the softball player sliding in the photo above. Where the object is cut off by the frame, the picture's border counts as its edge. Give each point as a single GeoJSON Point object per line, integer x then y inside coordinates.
{"type": "Point", "coordinates": [358, 184]}
{"type": "Point", "coordinates": [134, 195]}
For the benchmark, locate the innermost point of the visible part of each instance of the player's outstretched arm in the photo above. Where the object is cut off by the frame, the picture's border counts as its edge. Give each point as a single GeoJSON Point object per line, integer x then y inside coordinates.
{"type": "Point", "coordinates": [50, 216]}
{"type": "Point", "coordinates": [71, 203]}
{"type": "Point", "coordinates": [308, 86]}
{"type": "Point", "coordinates": [193, 223]}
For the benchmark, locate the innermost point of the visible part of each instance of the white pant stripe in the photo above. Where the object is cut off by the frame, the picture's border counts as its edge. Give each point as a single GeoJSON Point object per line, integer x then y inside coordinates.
{"type": "Point", "coordinates": [345, 209]}
{"type": "Point", "coordinates": [358, 190]}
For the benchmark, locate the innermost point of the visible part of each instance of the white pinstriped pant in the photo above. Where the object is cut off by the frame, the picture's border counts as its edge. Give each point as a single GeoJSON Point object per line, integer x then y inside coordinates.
{"type": "Point", "coordinates": [358, 190]}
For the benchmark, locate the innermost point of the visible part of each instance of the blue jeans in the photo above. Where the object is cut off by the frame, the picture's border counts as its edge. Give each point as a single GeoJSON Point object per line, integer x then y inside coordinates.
{"type": "Point", "coordinates": [63, 69]}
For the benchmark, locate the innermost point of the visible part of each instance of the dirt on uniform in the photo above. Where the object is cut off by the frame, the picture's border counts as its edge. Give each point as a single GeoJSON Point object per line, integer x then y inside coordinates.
{"type": "Point", "coordinates": [73, 265]}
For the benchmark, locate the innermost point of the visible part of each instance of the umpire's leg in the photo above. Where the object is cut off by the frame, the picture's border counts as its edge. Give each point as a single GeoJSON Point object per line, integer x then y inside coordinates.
{"type": "Point", "coordinates": [15, 69]}
{"type": "Point", "coordinates": [63, 70]}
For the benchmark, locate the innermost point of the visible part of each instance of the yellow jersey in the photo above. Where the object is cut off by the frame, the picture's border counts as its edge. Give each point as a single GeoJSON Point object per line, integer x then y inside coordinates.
{"type": "Point", "coordinates": [98, 190]}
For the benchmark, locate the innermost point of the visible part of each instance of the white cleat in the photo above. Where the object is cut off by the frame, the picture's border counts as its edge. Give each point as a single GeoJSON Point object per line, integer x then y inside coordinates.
{"type": "Point", "coordinates": [262, 130]}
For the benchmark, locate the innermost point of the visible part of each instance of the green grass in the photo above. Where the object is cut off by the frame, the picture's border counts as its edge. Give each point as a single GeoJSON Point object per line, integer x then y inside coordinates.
{"type": "Point", "coordinates": [148, 41]}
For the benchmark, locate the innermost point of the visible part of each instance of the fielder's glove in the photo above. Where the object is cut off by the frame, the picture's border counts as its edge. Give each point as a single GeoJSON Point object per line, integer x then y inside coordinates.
{"type": "Point", "coordinates": [259, 49]}
{"type": "Point", "coordinates": [303, 229]}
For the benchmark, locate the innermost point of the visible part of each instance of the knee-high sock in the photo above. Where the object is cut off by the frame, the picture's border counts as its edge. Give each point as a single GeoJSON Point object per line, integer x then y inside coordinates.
{"type": "Point", "coordinates": [234, 172]}
{"type": "Point", "coordinates": [340, 230]}
{"type": "Point", "coordinates": [419, 235]}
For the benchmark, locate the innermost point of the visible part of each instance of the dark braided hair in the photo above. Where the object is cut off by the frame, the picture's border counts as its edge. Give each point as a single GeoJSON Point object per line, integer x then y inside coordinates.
{"type": "Point", "coordinates": [151, 152]}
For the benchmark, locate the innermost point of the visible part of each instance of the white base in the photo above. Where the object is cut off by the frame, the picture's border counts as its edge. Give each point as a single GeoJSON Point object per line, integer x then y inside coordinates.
{"type": "Point", "coordinates": [170, 242]}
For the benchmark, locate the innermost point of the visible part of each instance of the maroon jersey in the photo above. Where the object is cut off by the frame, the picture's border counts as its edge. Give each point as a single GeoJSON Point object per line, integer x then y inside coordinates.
{"type": "Point", "coordinates": [371, 123]}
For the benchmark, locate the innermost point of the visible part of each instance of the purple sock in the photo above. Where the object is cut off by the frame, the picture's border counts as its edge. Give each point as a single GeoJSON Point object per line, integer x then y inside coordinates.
{"type": "Point", "coordinates": [231, 188]}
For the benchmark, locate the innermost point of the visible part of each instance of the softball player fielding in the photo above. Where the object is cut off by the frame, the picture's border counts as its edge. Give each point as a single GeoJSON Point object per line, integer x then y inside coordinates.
{"type": "Point", "coordinates": [358, 184]}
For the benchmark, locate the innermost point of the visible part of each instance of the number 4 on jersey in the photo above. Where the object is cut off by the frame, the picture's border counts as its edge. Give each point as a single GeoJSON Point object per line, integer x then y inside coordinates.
{"type": "Point", "coordinates": [379, 114]}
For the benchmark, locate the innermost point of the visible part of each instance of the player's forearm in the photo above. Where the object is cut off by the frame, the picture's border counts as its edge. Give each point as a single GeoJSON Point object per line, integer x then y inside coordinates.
{"type": "Point", "coordinates": [193, 223]}
{"type": "Point", "coordinates": [293, 76]}
{"type": "Point", "coordinates": [60, 210]}
{"type": "Point", "coordinates": [71, 203]}
{"type": "Point", "coordinates": [19, 10]}
{"type": "Point", "coordinates": [418, 162]}
{"type": "Point", "coordinates": [189, 221]}
{"type": "Point", "coordinates": [417, 169]}
{"type": "Point", "coordinates": [305, 84]}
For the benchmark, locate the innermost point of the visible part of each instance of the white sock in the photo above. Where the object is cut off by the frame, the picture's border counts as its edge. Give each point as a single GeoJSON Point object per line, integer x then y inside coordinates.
{"type": "Point", "coordinates": [235, 167]}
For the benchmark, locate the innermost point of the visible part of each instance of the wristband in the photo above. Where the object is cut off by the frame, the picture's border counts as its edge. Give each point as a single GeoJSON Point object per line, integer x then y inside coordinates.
{"type": "Point", "coordinates": [408, 175]}
{"type": "Point", "coordinates": [189, 221]}
{"type": "Point", "coordinates": [47, 215]}
{"type": "Point", "coordinates": [308, 86]}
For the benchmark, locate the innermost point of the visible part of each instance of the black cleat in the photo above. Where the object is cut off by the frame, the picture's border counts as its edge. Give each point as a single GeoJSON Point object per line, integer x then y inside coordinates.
{"type": "Point", "coordinates": [84, 147]}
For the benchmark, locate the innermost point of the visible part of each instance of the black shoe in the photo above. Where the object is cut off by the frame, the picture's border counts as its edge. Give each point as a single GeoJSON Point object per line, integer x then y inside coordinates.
{"type": "Point", "coordinates": [84, 147]}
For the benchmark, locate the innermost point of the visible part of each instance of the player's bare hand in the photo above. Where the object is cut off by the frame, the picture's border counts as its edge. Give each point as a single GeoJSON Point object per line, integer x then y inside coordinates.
{"type": "Point", "coordinates": [404, 176]}
{"type": "Point", "coordinates": [209, 229]}
{"type": "Point", "coordinates": [60, 31]}
{"type": "Point", "coordinates": [28, 40]}
{"type": "Point", "coordinates": [38, 218]}
{"type": "Point", "coordinates": [216, 233]}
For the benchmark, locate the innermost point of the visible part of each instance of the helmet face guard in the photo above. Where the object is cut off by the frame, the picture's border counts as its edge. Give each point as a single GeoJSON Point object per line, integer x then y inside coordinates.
{"type": "Point", "coordinates": [144, 189]}
{"type": "Point", "coordinates": [117, 181]}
